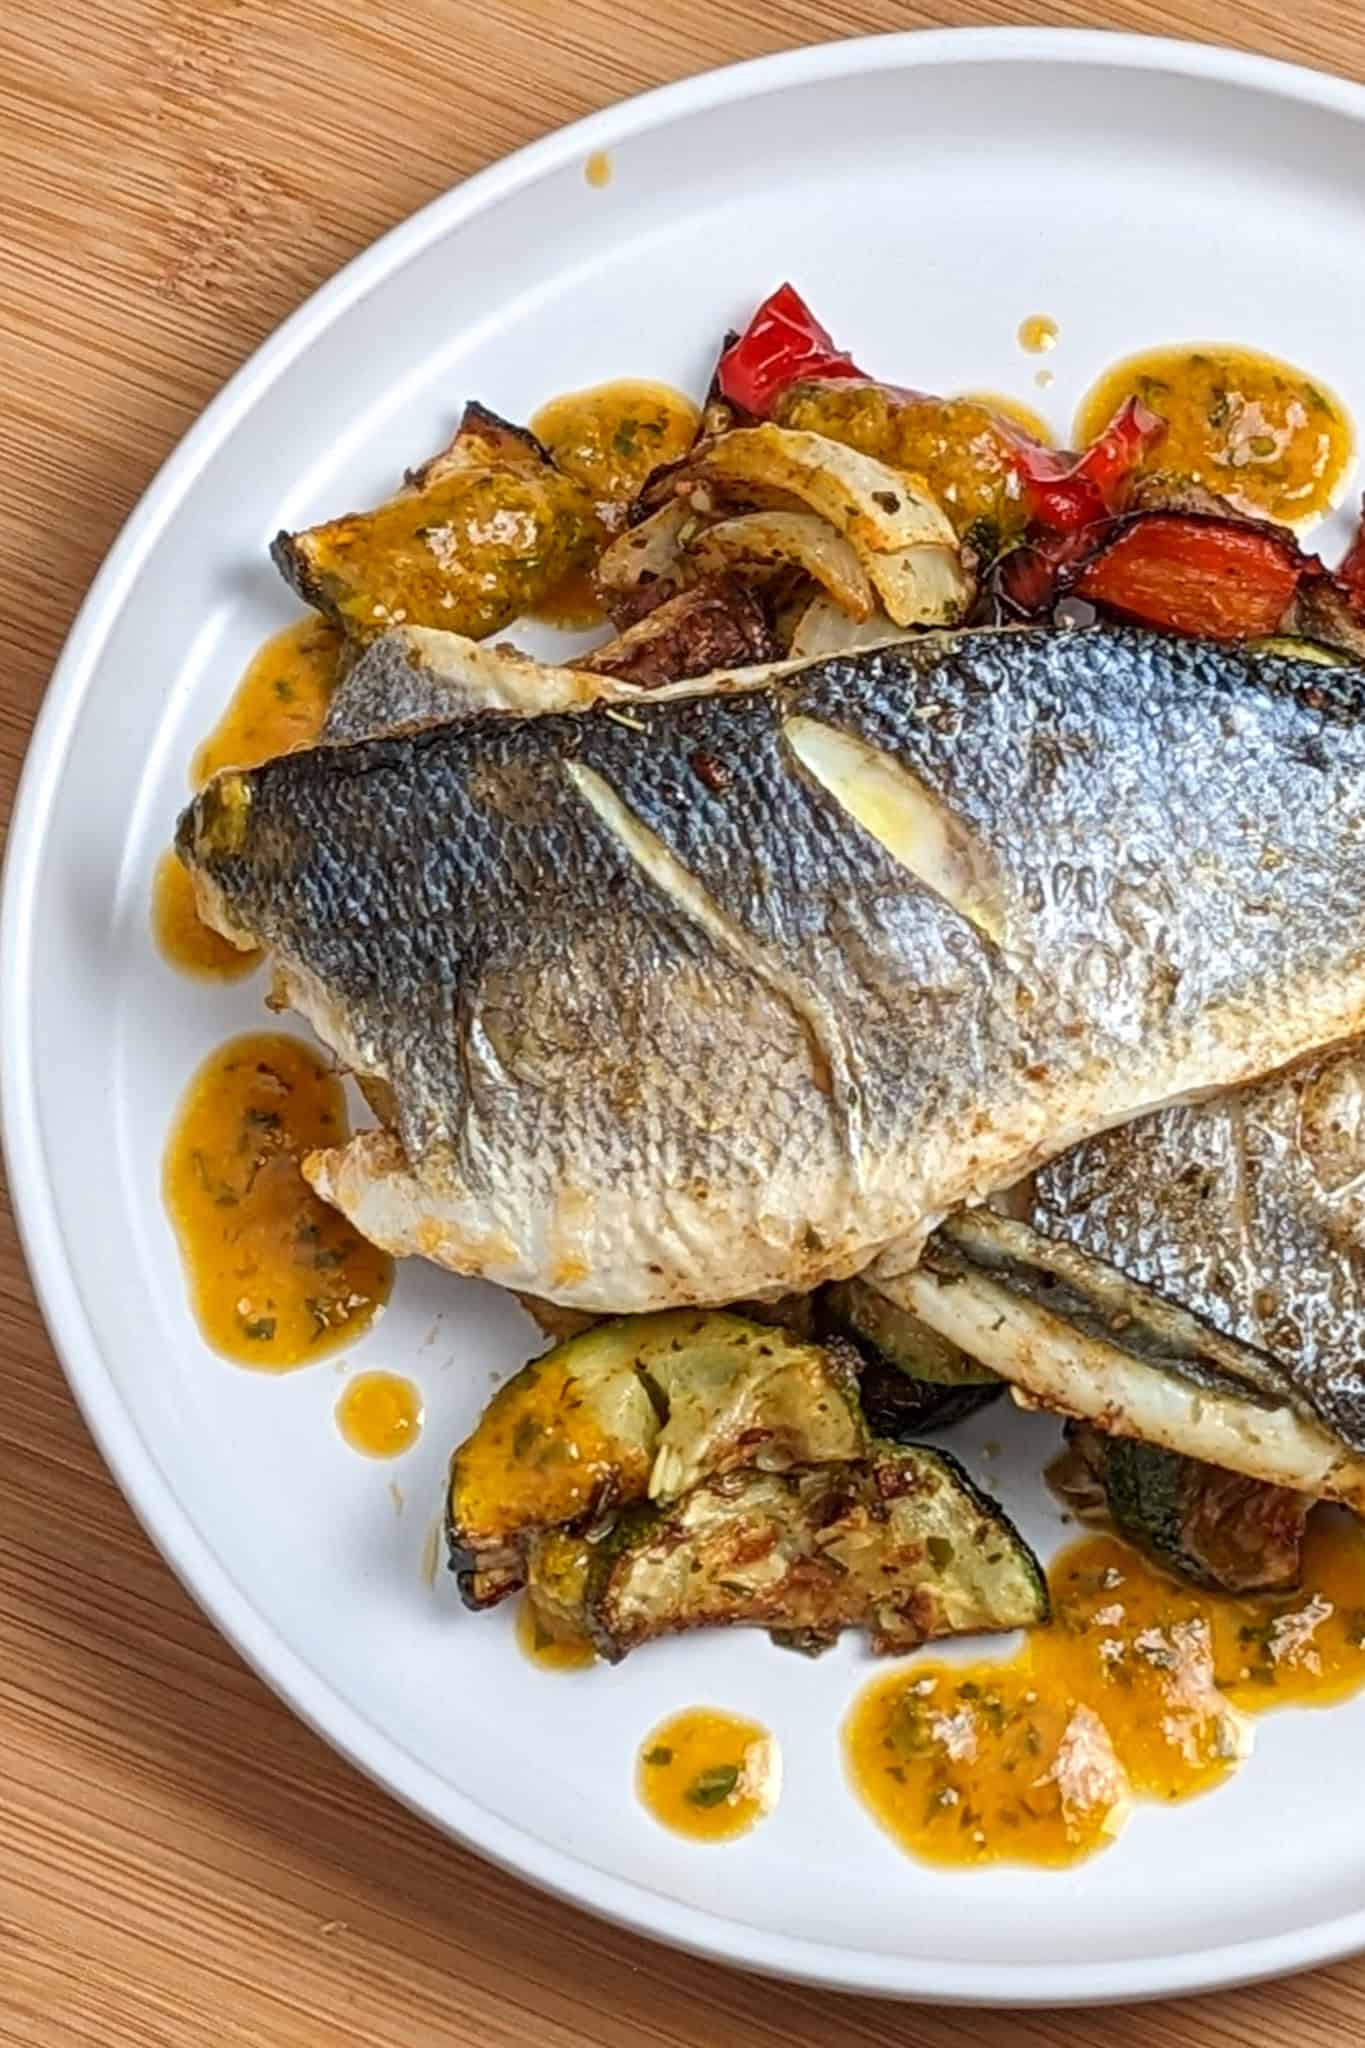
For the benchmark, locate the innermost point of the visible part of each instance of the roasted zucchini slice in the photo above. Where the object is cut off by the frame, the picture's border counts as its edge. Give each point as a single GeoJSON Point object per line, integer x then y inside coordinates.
{"type": "Point", "coordinates": [900, 1544]}
{"type": "Point", "coordinates": [912, 1378]}
{"type": "Point", "coordinates": [1218, 1528]}
{"type": "Point", "coordinates": [635, 1409]}
{"type": "Point", "coordinates": [475, 537]}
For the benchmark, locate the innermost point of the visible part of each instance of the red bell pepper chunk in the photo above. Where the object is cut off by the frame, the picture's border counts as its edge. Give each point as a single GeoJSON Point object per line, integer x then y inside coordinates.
{"type": "Point", "coordinates": [1068, 492]}
{"type": "Point", "coordinates": [1184, 574]}
{"type": "Point", "coordinates": [1031, 577]}
{"type": "Point", "coordinates": [783, 342]}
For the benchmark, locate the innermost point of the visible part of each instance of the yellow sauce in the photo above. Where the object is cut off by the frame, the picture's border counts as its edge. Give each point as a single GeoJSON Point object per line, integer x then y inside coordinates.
{"type": "Point", "coordinates": [961, 448]}
{"type": "Point", "coordinates": [708, 1775]}
{"type": "Point", "coordinates": [1140, 1687]}
{"type": "Point", "coordinates": [549, 1644]}
{"type": "Point", "coordinates": [184, 939]}
{"type": "Point", "coordinates": [280, 702]}
{"type": "Point", "coordinates": [609, 438]}
{"type": "Point", "coordinates": [1264, 435]}
{"type": "Point", "coordinates": [276, 1276]}
{"type": "Point", "coordinates": [597, 169]}
{"type": "Point", "coordinates": [380, 1414]}
{"type": "Point", "coordinates": [1016, 412]}
{"type": "Point", "coordinates": [1038, 334]}
{"type": "Point", "coordinates": [1044, 379]}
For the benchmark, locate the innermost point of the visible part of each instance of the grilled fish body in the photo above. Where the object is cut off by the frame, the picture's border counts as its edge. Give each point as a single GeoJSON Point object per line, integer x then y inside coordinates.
{"type": "Point", "coordinates": [721, 997]}
{"type": "Point", "coordinates": [1249, 1210]}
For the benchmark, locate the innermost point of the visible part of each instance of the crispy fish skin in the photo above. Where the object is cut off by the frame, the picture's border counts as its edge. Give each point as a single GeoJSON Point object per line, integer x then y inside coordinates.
{"type": "Point", "coordinates": [1249, 1210]}
{"type": "Point", "coordinates": [664, 1023]}
{"type": "Point", "coordinates": [415, 675]}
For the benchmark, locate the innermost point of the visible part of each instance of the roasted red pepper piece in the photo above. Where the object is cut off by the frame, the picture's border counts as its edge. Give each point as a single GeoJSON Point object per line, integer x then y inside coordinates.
{"type": "Point", "coordinates": [1069, 492]}
{"type": "Point", "coordinates": [1029, 578]}
{"type": "Point", "coordinates": [782, 342]}
{"type": "Point", "coordinates": [1216, 578]}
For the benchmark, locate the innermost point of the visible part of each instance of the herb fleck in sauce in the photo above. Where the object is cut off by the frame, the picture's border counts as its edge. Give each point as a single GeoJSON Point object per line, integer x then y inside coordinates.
{"type": "Point", "coordinates": [1140, 1687]}
{"type": "Point", "coordinates": [707, 1774]}
{"type": "Point", "coordinates": [1271, 439]}
{"type": "Point", "coordinates": [380, 1414]}
{"type": "Point", "coordinates": [276, 1277]}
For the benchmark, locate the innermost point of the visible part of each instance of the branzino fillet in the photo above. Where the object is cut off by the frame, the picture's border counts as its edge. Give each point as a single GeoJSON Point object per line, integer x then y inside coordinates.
{"type": "Point", "coordinates": [721, 997]}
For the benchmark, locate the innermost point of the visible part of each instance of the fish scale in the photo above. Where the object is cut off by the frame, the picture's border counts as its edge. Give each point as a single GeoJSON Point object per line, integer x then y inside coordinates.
{"type": "Point", "coordinates": [621, 1004]}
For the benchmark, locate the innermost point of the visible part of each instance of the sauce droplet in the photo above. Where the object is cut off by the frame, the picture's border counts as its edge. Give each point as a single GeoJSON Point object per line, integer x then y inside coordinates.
{"type": "Point", "coordinates": [380, 1414]}
{"type": "Point", "coordinates": [1038, 334]}
{"type": "Point", "coordinates": [708, 1774]}
{"type": "Point", "coordinates": [1267, 437]}
{"type": "Point", "coordinates": [1016, 412]}
{"type": "Point", "coordinates": [1044, 379]}
{"type": "Point", "coordinates": [548, 1643]}
{"type": "Point", "coordinates": [1140, 1687]}
{"type": "Point", "coordinates": [597, 169]}
{"type": "Point", "coordinates": [279, 703]}
{"type": "Point", "coordinates": [185, 941]}
{"type": "Point", "coordinates": [277, 1278]}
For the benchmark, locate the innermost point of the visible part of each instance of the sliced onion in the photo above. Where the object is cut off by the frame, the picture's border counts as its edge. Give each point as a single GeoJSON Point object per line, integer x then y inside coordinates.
{"type": "Point", "coordinates": [824, 629]}
{"type": "Point", "coordinates": [924, 586]}
{"type": "Point", "coordinates": [879, 509]}
{"type": "Point", "coordinates": [772, 541]}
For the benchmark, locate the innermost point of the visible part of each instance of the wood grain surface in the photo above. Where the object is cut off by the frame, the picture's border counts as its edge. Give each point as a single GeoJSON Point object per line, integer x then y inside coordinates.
{"type": "Point", "coordinates": [180, 1861]}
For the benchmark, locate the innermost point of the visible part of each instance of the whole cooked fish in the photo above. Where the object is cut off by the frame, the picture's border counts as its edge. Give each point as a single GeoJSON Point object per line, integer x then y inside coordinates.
{"type": "Point", "coordinates": [722, 996]}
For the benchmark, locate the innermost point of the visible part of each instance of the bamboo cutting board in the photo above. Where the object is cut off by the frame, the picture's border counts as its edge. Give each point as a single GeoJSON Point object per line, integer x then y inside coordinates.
{"type": "Point", "coordinates": [180, 1861]}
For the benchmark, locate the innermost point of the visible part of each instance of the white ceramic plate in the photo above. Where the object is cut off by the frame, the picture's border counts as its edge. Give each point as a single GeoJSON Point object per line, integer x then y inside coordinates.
{"type": "Point", "coordinates": [927, 192]}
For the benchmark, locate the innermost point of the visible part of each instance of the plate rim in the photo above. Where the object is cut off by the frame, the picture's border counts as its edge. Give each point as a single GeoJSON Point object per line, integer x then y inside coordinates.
{"type": "Point", "coordinates": [367, 1746]}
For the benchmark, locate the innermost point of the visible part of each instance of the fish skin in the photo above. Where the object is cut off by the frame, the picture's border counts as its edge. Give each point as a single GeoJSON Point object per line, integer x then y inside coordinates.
{"type": "Point", "coordinates": [1249, 1210]}
{"type": "Point", "coordinates": [415, 675]}
{"type": "Point", "coordinates": [610, 1101]}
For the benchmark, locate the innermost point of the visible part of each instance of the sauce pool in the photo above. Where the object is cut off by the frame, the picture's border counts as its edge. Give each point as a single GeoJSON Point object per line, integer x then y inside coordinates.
{"type": "Point", "coordinates": [1139, 1687]}
{"type": "Point", "coordinates": [181, 934]}
{"type": "Point", "coordinates": [380, 1414]}
{"type": "Point", "coordinates": [709, 1775]}
{"type": "Point", "coordinates": [610, 438]}
{"type": "Point", "coordinates": [1266, 436]}
{"type": "Point", "coordinates": [279, 703]}
{"type": "Point", "coordinates": [276, 1277]}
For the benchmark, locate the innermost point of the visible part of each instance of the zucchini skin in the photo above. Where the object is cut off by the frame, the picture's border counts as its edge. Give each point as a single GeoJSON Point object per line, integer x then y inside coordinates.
{"type": "Point", "coordinates": [913, 1380]}
{"type": "Point", "coordinates": [1218, 1529]}
{"type": "Point", "coordinates": [902, 1545]}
